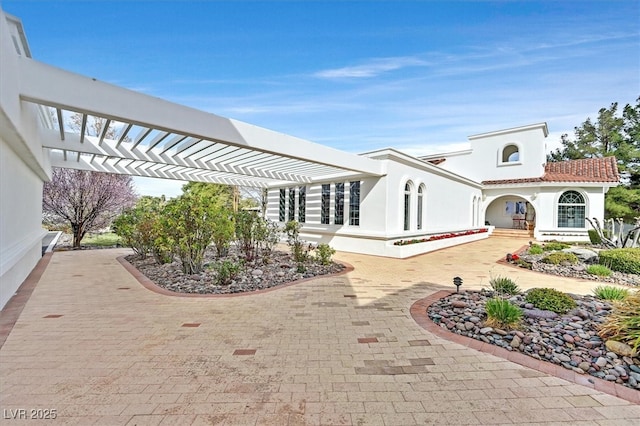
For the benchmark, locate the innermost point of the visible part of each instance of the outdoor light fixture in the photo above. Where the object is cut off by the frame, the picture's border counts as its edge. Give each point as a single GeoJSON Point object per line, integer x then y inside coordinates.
{"type": "Point", "coordinates": [457, 281]}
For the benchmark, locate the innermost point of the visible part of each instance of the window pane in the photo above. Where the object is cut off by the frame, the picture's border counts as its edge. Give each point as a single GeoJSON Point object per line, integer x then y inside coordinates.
{"type": "Point", "coordinates": [407, 203]}
{"type": "Point", "coordinates": [282, 205]}
{"type": "Point", "coordinates": [420, 197]}
{"type": "Point", "coordinates": [325, 200]}
{"type": "Point", "coordinates": [354, 204]}
{"type": "Point", "coordinates": [571, 210]}
{"type": "Point", "coordinates": [302, 204]}
{"type": "Point", "coordinates": [571, 197]}
{"type": "Point", "coordinates": [292, 204]}
{"type": "Point", "coordinates": [339, 200]}
{"type": "Point", "coordinates": [407, 206]}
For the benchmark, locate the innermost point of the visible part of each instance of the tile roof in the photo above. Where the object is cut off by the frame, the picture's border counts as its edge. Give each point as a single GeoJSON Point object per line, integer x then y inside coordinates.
{"type": "Point", "coordinates": [585, 170]}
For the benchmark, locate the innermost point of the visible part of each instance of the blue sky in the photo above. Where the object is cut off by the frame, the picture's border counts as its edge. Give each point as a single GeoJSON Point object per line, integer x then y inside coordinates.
{"type": "Point", "coordinates": [419, 76]}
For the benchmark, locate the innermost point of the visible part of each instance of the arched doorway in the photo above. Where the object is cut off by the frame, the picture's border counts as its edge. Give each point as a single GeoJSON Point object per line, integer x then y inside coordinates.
{"type": "Point", "coordinates": [511, 212]}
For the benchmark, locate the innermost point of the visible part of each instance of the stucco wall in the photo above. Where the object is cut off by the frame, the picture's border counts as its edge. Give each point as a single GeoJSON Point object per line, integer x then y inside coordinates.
{"type": "Point", "coordinates": [484, 162]}
{"type": "Point", "coordinates": [548, 224]}
{"type": "Point", "coordinates": [447, 207]}
{"type": "Point", "coordinates": [20, 228]}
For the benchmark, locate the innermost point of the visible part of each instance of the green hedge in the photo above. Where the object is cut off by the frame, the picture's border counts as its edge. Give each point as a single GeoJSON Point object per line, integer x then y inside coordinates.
{"type": "Point", "coordinates": [622, 260]}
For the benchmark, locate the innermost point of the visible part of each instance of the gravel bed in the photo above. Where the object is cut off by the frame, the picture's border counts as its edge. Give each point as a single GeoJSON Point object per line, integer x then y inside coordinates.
{"type": "Point", "coordinates": [255, 275]}
{"type": "Point", "coordinates": [569, 340]}
{"type": "Point", "coordinates": [579, 271]}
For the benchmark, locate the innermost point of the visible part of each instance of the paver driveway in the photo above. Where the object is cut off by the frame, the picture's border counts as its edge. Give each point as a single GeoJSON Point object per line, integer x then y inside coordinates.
{"type": "Point", "coordinates": [97, 347]}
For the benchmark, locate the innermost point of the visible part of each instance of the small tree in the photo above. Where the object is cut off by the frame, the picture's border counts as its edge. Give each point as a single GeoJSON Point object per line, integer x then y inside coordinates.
{"type": "Point", "coordinates": [189, 221]}
{"type": "Point", "coordinates": [246, 235]}
{"type": "Point", "coordinates": [224, 231]}
{"type": "Point", "coordinates": [299, 248]}
{"type": "Point", "coordinates": [86, 200]}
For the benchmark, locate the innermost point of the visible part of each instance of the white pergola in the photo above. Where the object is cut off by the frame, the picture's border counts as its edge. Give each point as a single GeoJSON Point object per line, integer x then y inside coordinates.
{"type": "Point", "coordinates": [147, 136]}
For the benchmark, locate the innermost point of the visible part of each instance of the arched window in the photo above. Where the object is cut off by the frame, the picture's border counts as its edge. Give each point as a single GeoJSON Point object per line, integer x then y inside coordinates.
{"type": "Point", "coordinates": [420, 207]}
{"type": "Point", "coordinates": [510, 154]}
{"type": "Point", "coordinates": [571, 210]}
{"type": "Point", "coordinates": [407, 206]}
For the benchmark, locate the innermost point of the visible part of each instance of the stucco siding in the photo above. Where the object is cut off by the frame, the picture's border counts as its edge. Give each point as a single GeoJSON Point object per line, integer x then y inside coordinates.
{"type": "Point", "coordinates": [21, 226]}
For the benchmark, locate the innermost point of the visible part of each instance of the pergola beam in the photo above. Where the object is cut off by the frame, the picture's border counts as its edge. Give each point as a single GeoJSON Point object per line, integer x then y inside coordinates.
{"type": "Point", "coordinates": [51, 86]}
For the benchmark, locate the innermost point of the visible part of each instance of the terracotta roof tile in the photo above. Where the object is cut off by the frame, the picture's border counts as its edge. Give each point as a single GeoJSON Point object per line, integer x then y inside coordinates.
{"type": "Point", "coordinates": [586, 170]}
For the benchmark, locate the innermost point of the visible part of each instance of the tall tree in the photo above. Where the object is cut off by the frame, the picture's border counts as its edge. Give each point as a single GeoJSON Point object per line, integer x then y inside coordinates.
{"type": "Point", "coordinates": [87, 200]}
{"type": "Point", "coordinates": [611, 134]}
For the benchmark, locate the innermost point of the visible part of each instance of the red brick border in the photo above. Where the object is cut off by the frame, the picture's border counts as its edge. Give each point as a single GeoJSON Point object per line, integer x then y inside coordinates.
{"type": "Point", "coordinates": [419, 314]}
{"type": "Point", "coordinates": [150, 285]}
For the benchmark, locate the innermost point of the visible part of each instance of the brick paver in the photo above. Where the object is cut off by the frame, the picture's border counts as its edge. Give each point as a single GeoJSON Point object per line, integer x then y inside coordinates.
{"type": "Point", "coordinates": [99, 348]}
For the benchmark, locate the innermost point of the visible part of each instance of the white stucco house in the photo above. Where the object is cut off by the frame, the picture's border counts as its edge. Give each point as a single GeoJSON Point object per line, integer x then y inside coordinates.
{"type": "Point", "coordinates": [502, 182]}
{"type": "Point", "coordinates": [372, 203]}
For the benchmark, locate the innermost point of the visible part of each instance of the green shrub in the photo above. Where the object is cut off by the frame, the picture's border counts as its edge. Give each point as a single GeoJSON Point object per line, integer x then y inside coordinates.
{"type": "Point", "coordinates": [524, 264]}
{"type": "Point", "coordinates": [559, 257]}
{"type": "Point", "coordinates": [549, 299]}
{"type": "Point", "coordinates": [535, 249]}
{"type": "Point", "coordinates": [599, 270]}
{"type": "Point", "coordinates": [299, 248]}
{"type": "Point", "coordinates": [323, 253]}
{"type": "Point", "coordinates": [608, 292]}
{"type": "Point", "coordinates": [555, 246]}
{"type": "Point", "coordinates": [623, 323]}
{"type": "Point", "coordinates": [140, 228]}
{"type": "Point", "coordinates": [226, 271]}
{"type": "Point", "coordinates": [594, 237]}
{"type": "Point", "coordinates": [188, 221]}
{"type": "Point", "coordinates": [502, 314]}
{"type": "Point", "coordinates": [504, 285]}
{"type": "Point", "coordinates": [625, 260]}
{"type": "Point", "coordinates": [224, 231]}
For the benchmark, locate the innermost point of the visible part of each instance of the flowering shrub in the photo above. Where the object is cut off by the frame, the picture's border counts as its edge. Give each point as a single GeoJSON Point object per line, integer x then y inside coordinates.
{"type": "Point", "coordinates": [440, 237]}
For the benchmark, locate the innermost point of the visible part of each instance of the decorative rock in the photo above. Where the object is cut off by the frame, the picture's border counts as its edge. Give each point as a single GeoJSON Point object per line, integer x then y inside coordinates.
{"type": "Point", "coordinates": [619, 348]}
{"type": "Point", "coordinates": [539, 313]}
{"type": "Point", "coordinates": [585, 255]}
{"type": "Point", "coordinates": [515, 342]}
{"type": "Point", "coordinates": [569, 340]}
{"type": "Point", "coordinates": [459, 304]}
{"type": "Point", "coordinates": [620, 370]}
{"type": "Point", "coordinates": [582, 314]}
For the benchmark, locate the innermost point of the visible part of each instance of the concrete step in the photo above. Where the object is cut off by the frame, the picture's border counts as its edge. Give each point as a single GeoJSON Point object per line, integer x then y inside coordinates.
{"type": "Point", "coordinates": [512, 233]}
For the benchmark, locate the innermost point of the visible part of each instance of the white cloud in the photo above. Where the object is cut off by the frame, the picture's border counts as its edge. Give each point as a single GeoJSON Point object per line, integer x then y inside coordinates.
{"type": "Point", "coordinates": [373, 68]}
